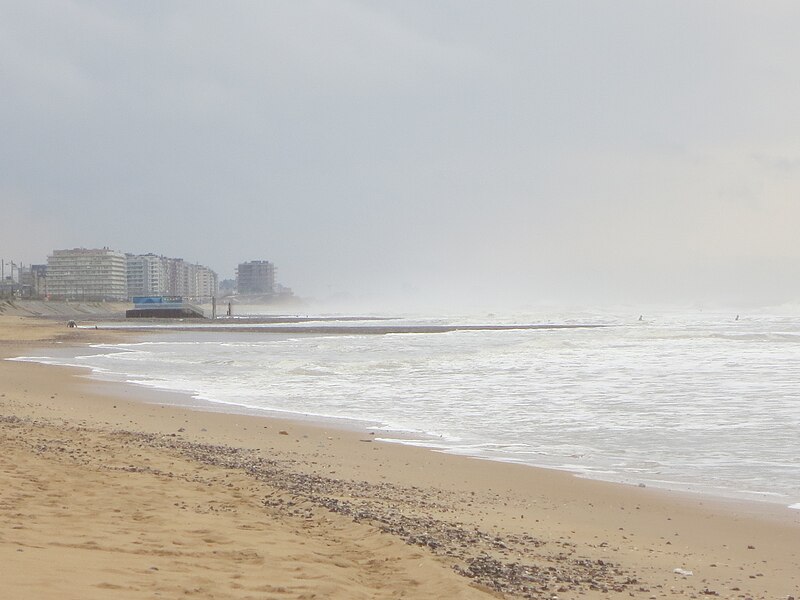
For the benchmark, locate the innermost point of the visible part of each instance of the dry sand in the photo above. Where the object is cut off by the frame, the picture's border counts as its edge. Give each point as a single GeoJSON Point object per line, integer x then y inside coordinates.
{"type": "Point", "coordinates": [109, 490]}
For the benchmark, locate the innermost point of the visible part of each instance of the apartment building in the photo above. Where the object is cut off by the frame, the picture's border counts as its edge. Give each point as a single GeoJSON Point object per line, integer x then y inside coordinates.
{"type": "Point", "coordinates": [255, 277]}
{"type": "Point", "coordinates": [87, 274]}
{"type": "Point", "coordinates": [33, 281]}
{"type": "Point", "coordinates": [207, 282]}
{"type": "Point", "coordinates": [147, 275]}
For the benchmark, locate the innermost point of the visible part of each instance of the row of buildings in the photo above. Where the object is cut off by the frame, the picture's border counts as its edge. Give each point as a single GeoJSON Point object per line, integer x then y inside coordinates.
{"type": "Point", "coordinates": [152, 275]}
{"type": "Point", "coordinates": [105, 274]}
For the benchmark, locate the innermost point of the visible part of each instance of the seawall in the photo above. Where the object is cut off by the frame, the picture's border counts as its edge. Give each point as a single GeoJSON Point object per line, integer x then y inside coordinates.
{"type": "Point", "coordinates": [62, 309]}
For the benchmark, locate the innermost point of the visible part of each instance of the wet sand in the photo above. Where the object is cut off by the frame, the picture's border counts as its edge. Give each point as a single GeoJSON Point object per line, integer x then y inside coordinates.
{"type": "Point", "coordinates": [113, 490]}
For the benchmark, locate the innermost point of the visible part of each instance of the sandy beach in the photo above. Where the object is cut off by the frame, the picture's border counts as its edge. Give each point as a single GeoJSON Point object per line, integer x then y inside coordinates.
{"type": "Point", "coordinates": [111, 490]}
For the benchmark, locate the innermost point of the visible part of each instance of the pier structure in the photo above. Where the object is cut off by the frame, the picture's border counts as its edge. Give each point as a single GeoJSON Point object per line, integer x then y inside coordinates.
{"type": "Point", "coordinates": [163, 307]}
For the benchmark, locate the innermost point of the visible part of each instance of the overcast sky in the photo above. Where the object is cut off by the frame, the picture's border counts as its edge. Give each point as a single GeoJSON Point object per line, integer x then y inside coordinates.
{"type": "Point", "coordinates": [504, 151]}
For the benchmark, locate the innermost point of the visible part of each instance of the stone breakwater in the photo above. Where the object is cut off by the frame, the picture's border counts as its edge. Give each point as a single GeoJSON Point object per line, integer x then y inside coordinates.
{"type": "Point", "coordinates": [516, 564]}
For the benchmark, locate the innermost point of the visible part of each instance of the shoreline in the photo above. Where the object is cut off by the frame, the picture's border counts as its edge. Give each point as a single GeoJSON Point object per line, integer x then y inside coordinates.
{"type": "Point", "coordinates": [387, 434]}
{"type": "Point", "coordinates": [555, 527]}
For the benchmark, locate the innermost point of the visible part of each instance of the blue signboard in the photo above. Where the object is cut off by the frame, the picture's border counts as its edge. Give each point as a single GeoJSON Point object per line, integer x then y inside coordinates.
{"type": "Point", "coordinates": [159, 300]}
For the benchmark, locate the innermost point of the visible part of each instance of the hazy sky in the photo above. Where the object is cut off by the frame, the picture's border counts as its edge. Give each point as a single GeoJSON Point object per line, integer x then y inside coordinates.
{"type": "Point", "coordinates": [500, 151]}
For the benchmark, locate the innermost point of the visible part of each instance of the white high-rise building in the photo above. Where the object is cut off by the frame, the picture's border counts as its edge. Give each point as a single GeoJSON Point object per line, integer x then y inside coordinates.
{"type": "Point", "coordinates": [87, 274]}
{"type": "Point", "coordinates": [147, 275]}
{"type": "Point", "coordinates": [207, 283]}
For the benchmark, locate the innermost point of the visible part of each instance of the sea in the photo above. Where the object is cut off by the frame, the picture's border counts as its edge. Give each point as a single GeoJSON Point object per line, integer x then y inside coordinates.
{"type": "Point", "coordinates": [692, 400]}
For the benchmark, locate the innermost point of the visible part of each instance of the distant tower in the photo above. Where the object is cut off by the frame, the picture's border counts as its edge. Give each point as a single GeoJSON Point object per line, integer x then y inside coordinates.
{"type": "Point", "coordinates": [255, 277]}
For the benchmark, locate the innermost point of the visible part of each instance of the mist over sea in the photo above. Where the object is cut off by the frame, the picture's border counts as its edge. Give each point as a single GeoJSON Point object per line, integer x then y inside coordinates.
{"type": "Point", "coordinates": [686, 400]}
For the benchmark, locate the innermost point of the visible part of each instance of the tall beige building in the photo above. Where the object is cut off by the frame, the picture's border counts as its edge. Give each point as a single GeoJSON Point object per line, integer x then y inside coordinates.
{"type": "Point", "coordinates": [207, 283]}
{"type": "Point", "coordinates": [147, 275]}
{"type": "Point", "coordinates": [87, 274]}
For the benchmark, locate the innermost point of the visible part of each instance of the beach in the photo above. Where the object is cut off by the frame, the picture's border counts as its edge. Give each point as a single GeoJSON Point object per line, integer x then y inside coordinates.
{"type": "Point", "coordinates": [115, 490]}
